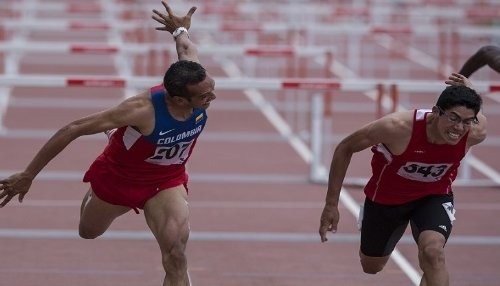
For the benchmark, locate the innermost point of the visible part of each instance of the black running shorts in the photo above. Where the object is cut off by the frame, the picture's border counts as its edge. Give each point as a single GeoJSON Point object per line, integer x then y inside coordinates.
{"type": "Point", "coordinates": [384, 225]}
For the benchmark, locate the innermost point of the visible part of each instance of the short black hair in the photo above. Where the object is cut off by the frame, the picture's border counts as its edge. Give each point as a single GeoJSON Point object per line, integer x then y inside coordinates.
{"type": "Point", "coordinates": [181, 74]}
{"type": "Point", "coordinates": [459, 95]}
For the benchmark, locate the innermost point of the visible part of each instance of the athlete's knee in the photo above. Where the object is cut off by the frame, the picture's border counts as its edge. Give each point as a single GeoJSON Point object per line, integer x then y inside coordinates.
{"type": "Point", "coordinates": [173, 254]}
{"type": "Point", "coordinates": [87, 232]}
{"type": "Point", "coordinates": [431, 256]}
{"type": "Point", "coordinates": [372, 265]}
{"type": "Point", "coordinates": [174, 259]}
{"type": "Point", "coordinates": [431, 250]}
{"type": "Point", "coordinates": [371, 268]}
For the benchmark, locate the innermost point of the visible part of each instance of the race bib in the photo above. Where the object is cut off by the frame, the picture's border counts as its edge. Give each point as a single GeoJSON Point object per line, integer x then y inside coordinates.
{"type": "Point", "coordinates": [170, 155]}
{"type": "Point", "coordinates": [423, 172]}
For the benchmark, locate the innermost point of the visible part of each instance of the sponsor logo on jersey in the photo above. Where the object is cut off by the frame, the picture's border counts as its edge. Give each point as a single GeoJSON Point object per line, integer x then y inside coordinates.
{"type": "Point", "coordinates": [450, 211]}
{"type": "Point", "coordinates": [180, 136]}
{"type": "Point", "coordinates": [165, 132]}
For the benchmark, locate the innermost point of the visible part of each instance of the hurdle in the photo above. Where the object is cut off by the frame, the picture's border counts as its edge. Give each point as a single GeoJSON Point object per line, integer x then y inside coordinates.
{"type": "Point", "coordinates": [448, 45]}
{"type": "Point", "coordinates": [316, 86]}
{"type": "Point", "coordinates": [462, 9]}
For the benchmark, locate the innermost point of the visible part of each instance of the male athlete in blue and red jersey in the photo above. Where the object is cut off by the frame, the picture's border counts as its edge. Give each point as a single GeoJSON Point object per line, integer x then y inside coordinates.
{"type": "Point", "coordinates": [143, 166]}
{"type": "Point", "coordinates": [137, 166]}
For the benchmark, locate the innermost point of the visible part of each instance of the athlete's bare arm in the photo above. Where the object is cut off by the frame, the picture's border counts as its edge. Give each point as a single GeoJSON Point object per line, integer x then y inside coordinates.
{"type": "Point", "coordinates": [186, 50]}
{"type": "Point", "coordinates": [136, 111]}
{"type": "Point", "coordinates": [486, 55]}
{"type": "Point", "coordinates": [393, 130]}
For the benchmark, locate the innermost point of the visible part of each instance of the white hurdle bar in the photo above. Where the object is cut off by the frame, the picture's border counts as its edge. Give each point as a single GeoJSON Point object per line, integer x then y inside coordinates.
{"type": "Point", "coordinates": [134, 48]}
{"type": "Point", "coordinates": [261, 27]}
{"type": "Point", "coordinates": [138, 82]}
{"type": "Point", "coordinates": [223, 83]}
{"type": "Point", "coordinates": [253, 8]}
{"type": "Point", "coordinates": [318, 171]}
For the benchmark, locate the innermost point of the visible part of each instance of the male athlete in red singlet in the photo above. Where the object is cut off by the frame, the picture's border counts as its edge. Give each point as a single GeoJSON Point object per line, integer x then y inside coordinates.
{"type": "Point", "coordinates": [143, 166]}
{"type": "Point", "coordinates": [416, 155]}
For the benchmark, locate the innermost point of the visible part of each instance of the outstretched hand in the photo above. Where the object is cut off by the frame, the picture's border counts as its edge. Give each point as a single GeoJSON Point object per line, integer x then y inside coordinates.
{"type": "Point", "coordinates": [17, 184]}
{"type": "Point", "coordinates": [329, 221]}
{"type": "Point", "coordinates": [170, 21]}
{"type": "Point", "coordinates": [458, 79]}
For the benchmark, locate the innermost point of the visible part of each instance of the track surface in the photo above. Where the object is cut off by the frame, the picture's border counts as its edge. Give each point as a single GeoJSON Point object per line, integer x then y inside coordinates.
{"type": "Point", "coordinates": [254, 215]}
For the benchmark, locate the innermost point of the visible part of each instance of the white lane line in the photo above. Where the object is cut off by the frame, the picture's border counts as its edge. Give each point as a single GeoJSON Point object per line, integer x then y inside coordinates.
{"type": "Point", "coordinates": [269, 112]}
{"type": "Point", "coordinates": [69, 271]}
{"type": "Point", "coordinates": [416, 56]}
{"type": "Point", "coordinates": [484, 168]}
{"type": "Point", "coordinates": [267, 178]}
{"type": "Point", "coordinates": [303, 150]}
{"type": "Point", "coordinates": [223, 136]}
{"type": "Point", "coordinates": [396, 255]}
{"type": "Point", "coordinates": [280, 124]}
{"type": "Point", "coordinates": [412, 273]}
{"type": "Point", "coordinates": [298, 237]}
{"type": "Point", "coordinates": [245, 205]}
{"type": "Point", "coordinates": [5, 93]}
{"type": "Point", "coordinates": [209, 136]}
{"type": "Point", "coordinates": [192, 204]}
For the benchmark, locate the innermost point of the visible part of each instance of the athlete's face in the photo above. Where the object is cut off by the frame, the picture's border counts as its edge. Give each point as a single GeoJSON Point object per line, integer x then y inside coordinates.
{"type": "Point", "coordinates": [454, 123]}
{"type": "Point", "coordinates": [201, 94]}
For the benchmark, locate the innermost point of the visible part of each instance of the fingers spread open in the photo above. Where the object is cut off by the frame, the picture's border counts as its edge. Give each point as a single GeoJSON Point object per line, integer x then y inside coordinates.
{"type": "Point", "coordinates": [191, 11]}
{"type": "Point", "coordinates": [169, 11]}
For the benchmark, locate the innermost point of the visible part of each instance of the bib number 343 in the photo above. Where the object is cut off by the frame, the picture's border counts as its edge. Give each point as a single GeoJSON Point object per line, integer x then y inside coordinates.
{"type": "Point", "coordinates": [423, 172]}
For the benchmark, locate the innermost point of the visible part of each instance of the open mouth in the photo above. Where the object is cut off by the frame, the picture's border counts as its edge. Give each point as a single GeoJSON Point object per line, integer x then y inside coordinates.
{"type": "Point", "coordinates": [453, 135]}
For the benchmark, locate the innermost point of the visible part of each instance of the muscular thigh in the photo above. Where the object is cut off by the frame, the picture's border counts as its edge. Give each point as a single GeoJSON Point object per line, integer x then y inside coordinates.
{"type": "Point", "coordinates": [382, 227]}
{"type": "Point", "coordinates": [435, 213]}
{"type": "Point", "coordinates": [98, 214]}
{"type": "Point", "coordinates": [167, 214]}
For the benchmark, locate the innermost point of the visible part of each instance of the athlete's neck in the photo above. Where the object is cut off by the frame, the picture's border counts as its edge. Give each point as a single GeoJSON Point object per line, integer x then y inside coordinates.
{"type": "Point", "coordinates": [178, 110]}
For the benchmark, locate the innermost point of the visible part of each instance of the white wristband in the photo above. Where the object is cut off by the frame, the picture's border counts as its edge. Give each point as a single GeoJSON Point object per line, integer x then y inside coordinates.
{"type": "Point", "coordinates": [179, 31]}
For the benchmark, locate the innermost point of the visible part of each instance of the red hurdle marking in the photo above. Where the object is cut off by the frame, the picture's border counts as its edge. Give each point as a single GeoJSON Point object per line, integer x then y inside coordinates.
{"type": "Point", "coordinates": [271, 51]}
{"type": "Point", "coordinates": [83, 8]}
{"type": "Point", "coordinates": [95, 82]}
{"type": "Point", "coordinates": [351, 11]}
{"type": "Point", "coordinates": [219, 9]}
{"type": "Point", "coordinates": [92, 49]}
{"type": "Point", "coordinates": [483, 12]}
{"type": "Point", "coordinates": [494, 88]}
{"type": "Point", "coordinates": [238, 26]}
{"type": "Point", "coordinates": [78, 25]}
{"type": "Point", "coordinates": [311, 84]}
{"type": "Point", "coordinates": [396, 29]}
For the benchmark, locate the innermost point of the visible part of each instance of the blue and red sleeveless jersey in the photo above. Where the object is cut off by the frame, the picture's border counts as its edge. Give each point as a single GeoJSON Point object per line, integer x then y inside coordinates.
{"type": "Point", "coordinates": [158, 157]}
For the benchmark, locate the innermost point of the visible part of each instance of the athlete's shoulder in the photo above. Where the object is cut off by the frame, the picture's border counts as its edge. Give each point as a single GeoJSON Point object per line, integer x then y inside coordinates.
{"type": "Point", "coordinates": [141, 99]}
{"type": "Point", "coordinates": [401, 121]}
{"type": "Point", "coordinates": [136, 111]}
{"type": "Point", "coordinates": [394, 130]}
